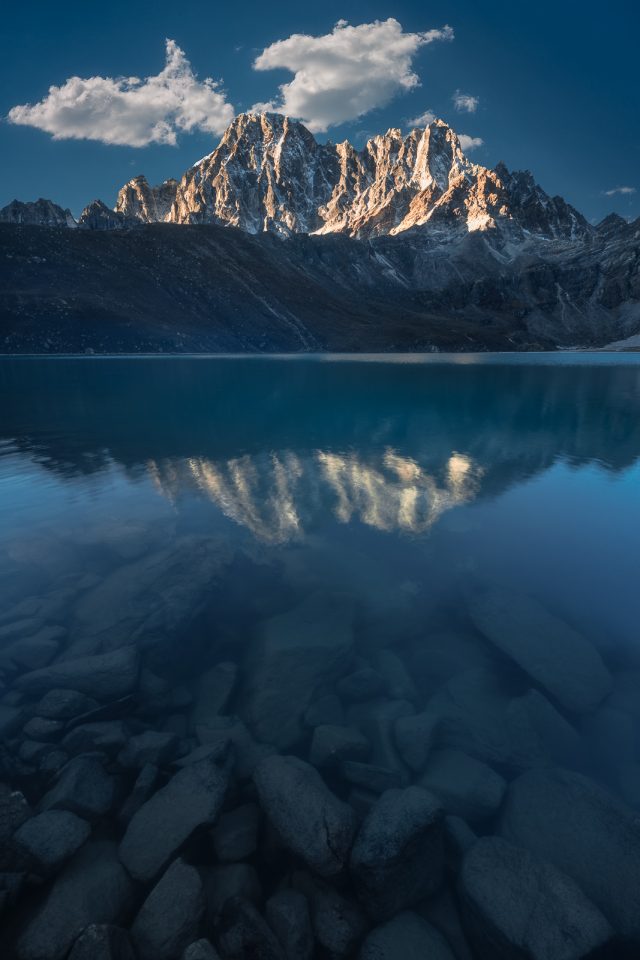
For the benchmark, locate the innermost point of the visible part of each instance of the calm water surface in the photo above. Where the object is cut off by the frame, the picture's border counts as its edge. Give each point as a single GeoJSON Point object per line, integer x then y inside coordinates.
{"type": "Point", "coordinates": [181, 504]}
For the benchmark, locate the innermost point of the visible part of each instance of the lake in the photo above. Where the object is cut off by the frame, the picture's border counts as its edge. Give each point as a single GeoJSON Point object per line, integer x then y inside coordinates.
{"type": "Point", "coordinates": [340, 599]}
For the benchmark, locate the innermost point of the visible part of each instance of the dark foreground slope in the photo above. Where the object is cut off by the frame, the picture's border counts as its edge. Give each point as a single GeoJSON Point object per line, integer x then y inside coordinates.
{"type": "Point", "coordinates": [163, 287]}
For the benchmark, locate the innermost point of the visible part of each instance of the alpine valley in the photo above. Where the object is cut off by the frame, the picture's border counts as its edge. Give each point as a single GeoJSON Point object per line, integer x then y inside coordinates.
{"type": "Point", "coordinates": [275, 242]}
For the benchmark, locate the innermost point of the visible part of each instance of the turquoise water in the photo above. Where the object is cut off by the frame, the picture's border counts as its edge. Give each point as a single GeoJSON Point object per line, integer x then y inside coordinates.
{"type": "Point", "coordinates": [180, 504]}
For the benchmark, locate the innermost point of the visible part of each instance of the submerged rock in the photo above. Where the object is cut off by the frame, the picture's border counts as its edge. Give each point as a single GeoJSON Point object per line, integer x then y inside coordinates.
{"type": "Point", "coordinates": [312, 822]}
{"type": "Point", "coordinates": [244, 933]}
{"type": "Point", "coordinates": [466, 787]}
{"type": "Point", "coordinates": [235, 835]}
{"type": "Point", "coordinates": [101, 941]}
{"type": "Point", "coordinates": [518, 906]}
{"type": "Point", "coordinates": [50, 838]}
{"type": "Point", "coordinates": [154, 597]}
{"type": "Point", "coordinates": [191, 799]}
{"type": "Point", "coordinates": [226, 881]}
{"type": "Point", "coordinates": [93, 888]}
{"type": "Point", "coordinates": [200, 950]}
{"type": "Point", "coordinates": [294, 654]}
{"type": "Point", "coordinates": [472, 713]}
{"type": "Point", "coordinates": [213, 692]}
{"type": "Point", "coordinates": [84, 787]}
{"type": "Point", "coordinates": [339, 924]}
{"type": "Point", "coordinates": [330, 744]}
{"type": "Point", "coordinates": [569, 820]}
{"type": "Point", "coordinates": [398, 855]}
{"type": "Point", "coordinates": [169, 919]}
{"type": "Point", "coordinates": [406, 936]}
{"type": "Point", "coordinates": [544, 646]}
{"type": "Point", "coordinates": [287, 913]}
{"type": "Point", "coordinates": [104, 676]}
{"type": "Point", "coordinates": [152, 746]}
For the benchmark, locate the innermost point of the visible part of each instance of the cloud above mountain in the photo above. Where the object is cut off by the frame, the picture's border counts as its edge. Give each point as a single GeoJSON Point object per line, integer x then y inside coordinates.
{"type": "Point", "coordinates": [131, 111]}
{"type": "Point", "coordinates": [344, 74]}
{"type": "Point", "coordinates": [619, 191]}
{"type": "Point", "coordinates": [464, 102]}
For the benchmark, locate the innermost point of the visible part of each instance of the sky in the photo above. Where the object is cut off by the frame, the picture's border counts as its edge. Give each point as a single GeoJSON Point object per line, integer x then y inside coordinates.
{"type": "Point", "coordinates": [94, 94]}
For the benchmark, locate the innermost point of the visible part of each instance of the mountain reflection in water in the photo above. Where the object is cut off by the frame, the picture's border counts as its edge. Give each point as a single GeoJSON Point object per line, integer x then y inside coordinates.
{"type": "Point", "coordinates": [274, 495]}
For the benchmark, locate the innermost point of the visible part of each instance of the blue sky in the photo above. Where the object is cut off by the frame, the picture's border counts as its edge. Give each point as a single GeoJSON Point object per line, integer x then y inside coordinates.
{"type": "Point", "coordinates": [553, 86]}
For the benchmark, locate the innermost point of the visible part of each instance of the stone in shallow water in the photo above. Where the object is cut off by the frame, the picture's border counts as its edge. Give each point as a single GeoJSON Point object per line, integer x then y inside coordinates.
{"type": "Point", "coordinates": [339, 924]}
{"type": "Point", "coordinates": [106, 737]}
{"type": "Point", "coordinates": [191, 799]}
{"type": "Point", "coordinates": [213, 692]}
{"type": "Point", "coordinates": [294, 654]}
{"type": "Point", "coordinates": [377, 719]}
{"type": "Point", "coordinates": [244, 933]}
{"type": "Point", "coordinates": [43, 730]}
{"type": "Point", "coordinates": [330, 744]}
{"type": "Point", "coordinates": [200, 950]}
{"type": "Point", "coordinates": [360, 685]}
{"type": "Point", "coordinates": [235, 835]}
{"type": "Point", "coordinates": [466, 787]}
{"type": "Point", "coordinates": [93, 888]}
{"type": "Point", "coordinates": [140, 792]}
{"type": "Point", "coordinates": [152, 746]}
{"type": "Point", "coordinates": [155, 597]}
{"type": "Point", "coordinates": [326, 709]}
{"type": "Point", "coordinates": [369, 776]}
{"type": "Point", "coordinates": [225, 732]}
{"type": "Point", "coordinates": [397, 681]}
{"type": "Point", "coordinates": [50, 838]}
{"type": "Point", "coordinates": [287, 913]}
{"type": "Point", "coordinates": [515, 905]}
{"type": "Point", "coordinates": [104, 676]}
{"type": "Point", "coordinates": [169, 919]}
{"type": "Point", "coordinates": [406, 937]}
{"type": "Point", "coordinates": [471, 713]}
{"type": "Point", "coordinates": [229, 880]}
{"type": "Point", "coordinates": [569, 820]}
{"type": "Point", "coordinates": [544, 646]}
{"type": "Point", "coordinates": [398, 855]}
{"type": "Point", "coordinates": [312, 822]}
{"type": "Point", "coordinates": [84, 787]}
{"type": "Point", "coordinates": [14, 810]}
{"type": "Point", "coordinates": [33, 652]}
{"type": "Point", "coordinates": [64, 704]}
{"type": "Point", "coordinates": [102, 941]}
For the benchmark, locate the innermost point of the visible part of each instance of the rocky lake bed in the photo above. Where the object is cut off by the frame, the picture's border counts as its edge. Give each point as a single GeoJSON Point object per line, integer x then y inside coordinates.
{"type": "Point", "coordinates": [293, 793]}
{"type": "Point", "coordinates": [349, 678]}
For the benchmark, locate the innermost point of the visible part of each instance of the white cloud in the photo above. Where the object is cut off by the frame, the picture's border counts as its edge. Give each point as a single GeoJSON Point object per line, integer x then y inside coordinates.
{"type": "Point", "coordinates": [346, 73]}
{"type": "Point", "coordinates": [423, 120]}
{"type": "Point", "coordinates": [464, 102]}
{"type": "Point", "coordinates": [469, 143]}
{"type": "Point", "coordinates": [128, 110]}
{"type": "Point", "coordinates": [619, 190]}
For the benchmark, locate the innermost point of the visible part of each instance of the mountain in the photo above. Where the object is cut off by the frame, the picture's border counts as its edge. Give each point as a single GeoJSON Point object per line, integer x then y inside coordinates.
{"type": "Point", "coordinates": [270, 174]}
{"type": "Point", "coordinates": [42, 213]}
{"type": "Point", "coordinates": [405, 244]}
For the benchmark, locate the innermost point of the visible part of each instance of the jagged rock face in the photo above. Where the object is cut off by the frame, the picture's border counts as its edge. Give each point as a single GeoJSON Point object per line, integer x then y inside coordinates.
{"type": "Point", "coordinates": [41, 213]}
{"type": "Point", "coordinates": [395, 182]}
{"type": "Point", "coordinates": [268, 173]}
{"type": "Point", "coordinates": [98, 216]}
{"type": "Point", "coordinates": [138, 201]}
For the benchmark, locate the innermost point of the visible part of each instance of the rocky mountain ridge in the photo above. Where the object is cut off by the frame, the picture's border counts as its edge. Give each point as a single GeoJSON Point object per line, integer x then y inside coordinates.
{"type": "Point", "coordinates": [404, 245]}
{"type": "Point", "coordinates": [269, 174]}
